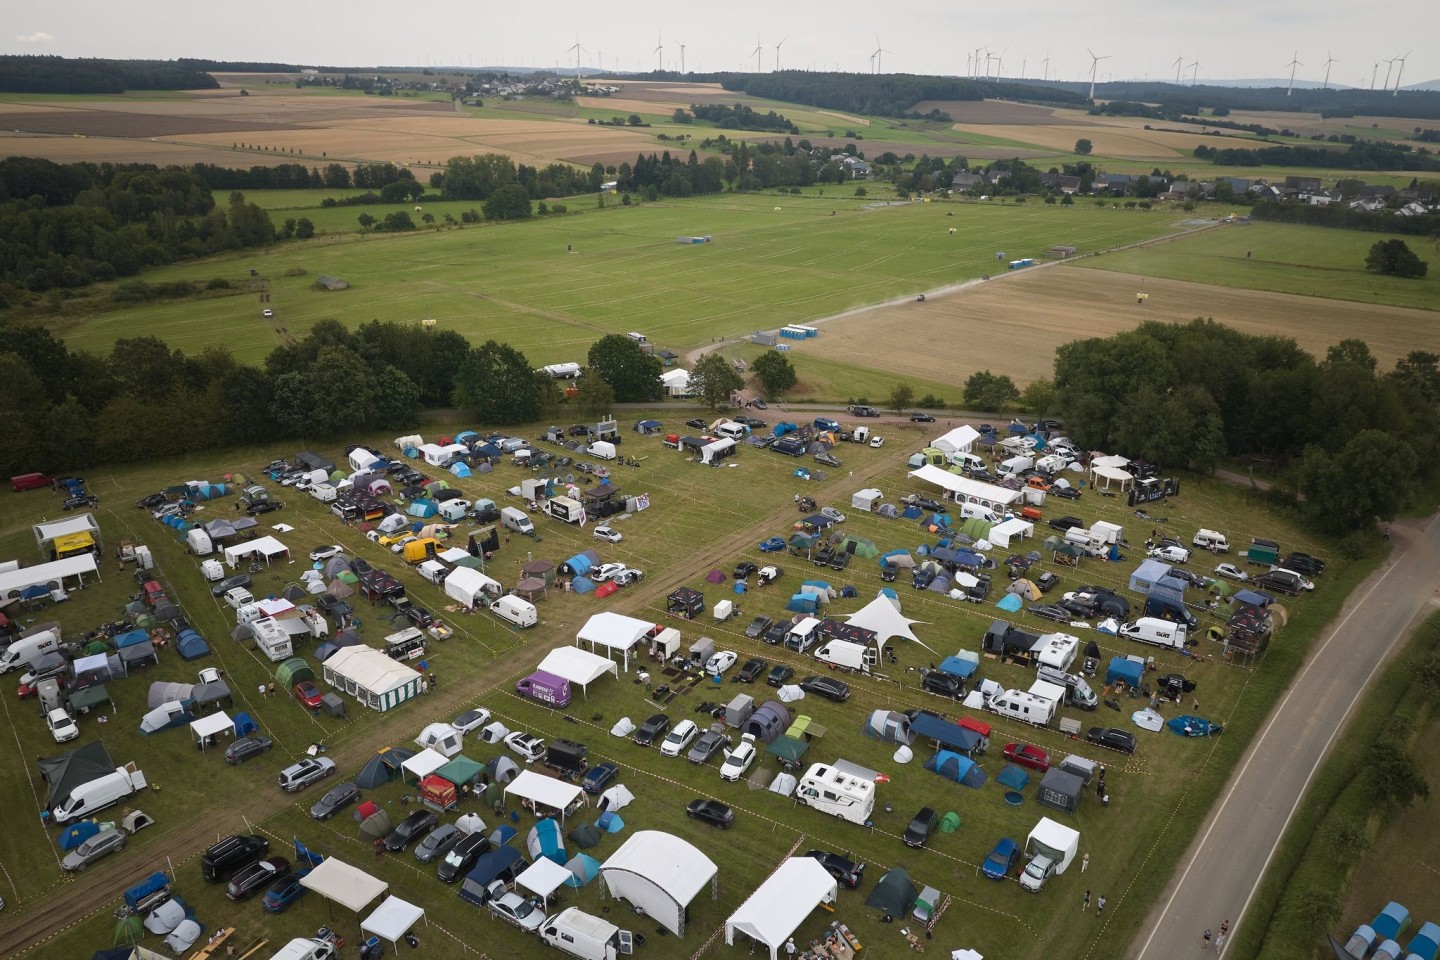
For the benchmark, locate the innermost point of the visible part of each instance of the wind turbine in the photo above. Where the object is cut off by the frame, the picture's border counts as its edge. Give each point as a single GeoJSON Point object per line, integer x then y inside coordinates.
{"type": "Point", "coordinates": [1389, 65]}
{"type": "Point", "coordinates": [978, 50]}
{"type": "Point", "coordinates": [1194, 72]}
{"type": "Point", "coordinates": [1047, 67]}
{"type": "Point", "coordinates": [1373, 74]}
{"type": "Point", "coordinates": [1399, 72]}
{"type": "Point", "coordinates": [756, 51]}
{"type": "Point", "coordinates": [1328, 60]}
{"type": "Point", "coordinates": [1179, 64]}
{"type": "Point", "coordinates": [879, 57]}
{"type": "Point", "coordinates": [777, 54]}
{"type": "Point", "coordinates": [1292, 65]}
{"type": "Point", "coordinates": [872, 63]}
{"type": "Point", "coordinates": [577, 48]}
{"type": "Point", "coordinates": [659, 52]}
{"type": "Point", "coordinates": [682, 59]}
{"type": "Point", "coordinates": [1094, 63]}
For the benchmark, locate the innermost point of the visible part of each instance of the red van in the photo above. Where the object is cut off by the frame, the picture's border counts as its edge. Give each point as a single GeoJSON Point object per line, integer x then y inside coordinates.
{"type": "Point", "coordinates": [30, 481]}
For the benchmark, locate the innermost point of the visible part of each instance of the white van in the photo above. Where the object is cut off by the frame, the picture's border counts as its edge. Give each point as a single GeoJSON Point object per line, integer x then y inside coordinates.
{"type": "Point", "coordinates": [802, 635]}
{"type": "Point", "coordinates": [967, 461]}
{"type": "Point", "coordinates": [88, 798]}
{"type": "Point", "coordinates": [732, 430]}
{"type": "Point", "coordinates": [303, 948]}
{"type": "Point", "coordinates": [520, 612]}
{"type": "Point", "coordinates": [515, 519]}
{"type": "Point", "coordinates": [1021, 705]}
{"type": "Point", "coordinates": [587, 937]}
{"type": "Point", "coordinates": [1211, 540]}
{"type": "Point", "coordinates": [1153, 630]}
{"type": "Point", "coordinates": [1015, 466]}
{"type": "Point", "coordinates": [978, 511]}
{"type": "Point", "coordinates": [26, 649]}
{"type": "Point", "coordinates": [847, 655]}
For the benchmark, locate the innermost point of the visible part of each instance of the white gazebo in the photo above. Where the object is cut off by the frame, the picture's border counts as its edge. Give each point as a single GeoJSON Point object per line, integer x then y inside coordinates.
{"type": "Point", "coordinates": [659, 873]}
{"type": "Point", "coordinates": [210, 726]}
{"type": "Point", "coordinates": [337, 881]}
{"type": "Point", "coordinates": [960, 440]}
{"type": "Point", "coordinates": [544, 791]}
{"type": "Point", "coordinates": [544, 877]}
{"type": "Point", "coordinates": [614, 631]}
{"type": "Point", "coordinates": [965, 490]}
{"type": "Point", "coordinates": [780, 904]}
{"type": "Point", "coordinates": [392, 920]}
{"type": "Point", "coordinates": [577, 666]}
{"type": "Point", "coordinates": [267, 547]}
{"type": "Point", "coordinates": [424, 763]}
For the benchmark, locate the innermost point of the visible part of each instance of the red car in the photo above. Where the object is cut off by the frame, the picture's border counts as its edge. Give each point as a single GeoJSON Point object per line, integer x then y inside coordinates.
{"type": "Point", "coordinates": [1027, 755]}
{"type": "Point", "coordinates": [310, 695]}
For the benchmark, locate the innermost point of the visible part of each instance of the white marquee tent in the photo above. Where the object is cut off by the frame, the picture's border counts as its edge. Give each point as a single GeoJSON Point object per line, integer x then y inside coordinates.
{"type": "Point", "coordinates": [965, 490]}
{"type": "Point", "coordinates": [614, 631]}
{"type": "Point", "coordinates": [1007, 530]}
{"type": "Point", "coordinates": [780, 904]}
{"type": "Point", "coordinates": [267, 547]}
{"type": "Point", "coordinates": [659, 873]}
{"type": "Point", "coordinates": [49, 575]}
{"type": "Point", "coordinates": [54, 529]}
{"type": "Point", "coordinates": [351, 887]}
{"type": "Point", "coordinates": [544, 791]}
{"type": "Point", "coordinates": [392, 920]}
{"type": "Point", "coordinates": [960, 440]}
{"type": "Point", "coordinates": [883, 616]}
{"type": "Point", "coordinates": [210, 726]}
{"type": "Point", "coordinates": [1111, 469]}
{"type": "Point", "coordinates": [577, 666]}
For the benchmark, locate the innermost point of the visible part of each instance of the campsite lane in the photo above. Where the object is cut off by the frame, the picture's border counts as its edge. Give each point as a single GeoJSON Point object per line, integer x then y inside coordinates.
{"type": "Point", "coordinates": [97, 889]}
{"type": "Point", "coordinates": [1218, 876]}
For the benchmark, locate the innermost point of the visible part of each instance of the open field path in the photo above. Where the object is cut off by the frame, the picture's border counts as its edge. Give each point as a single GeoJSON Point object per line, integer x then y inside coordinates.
{"type": "Point", "coordinates": [1219, 874]}
{"type": "Point", "coordinates": [98, 889]}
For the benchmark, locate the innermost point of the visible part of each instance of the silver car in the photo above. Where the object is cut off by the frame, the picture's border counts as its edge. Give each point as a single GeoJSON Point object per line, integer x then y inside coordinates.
{"type": "Point", "coordinates": [100, 845]}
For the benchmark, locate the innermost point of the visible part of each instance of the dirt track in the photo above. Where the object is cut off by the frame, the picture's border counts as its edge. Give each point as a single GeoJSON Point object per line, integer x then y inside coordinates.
{"type": "Point", "coordinates": [97, 890]}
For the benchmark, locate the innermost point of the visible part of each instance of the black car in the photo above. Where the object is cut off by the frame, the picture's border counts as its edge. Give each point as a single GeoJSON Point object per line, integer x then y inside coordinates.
{"type": "Point", "coordinates": [340, 796]}
{"type": "Point", "coordinates": [1087, 601]}
{"type": "Point", "coordinates": [753, 669]}
{"type": "Point", "coordinates": [775, 633]}
{"type": "Point", "coordinates": [1046, 424]}
{"type": "Point", "coordinates": [151, 502]}
{"type": "Point", "coordinates": [419, 616]}
{"type": "Point", "coordinates": [460, 858]}
{"type": "Point", "coordinates": [697, 424]}
{"type": "Point", "coordinates": [230, 583]}
{"type": "Point", "coordinates": [919, 417]}
{"type": "Point", "coordinates": [978, 592]}
{"type": "Point", "coordinates": [823, 556]}
{"type": "Point", "coordinates": [579, 430]}
{"type": "Point", "coordinates": [246, 748]}
{"type": "Point", "coordinates": [1051, 611]}
{"type": "Point", "coordinates": [264, 506]}
{"type": "Point", "coordinates": [1065, 493]}
{"type": "Point", "coordinates": [599, 776]}
{"type": "Point", "coordinates": [250, 880]}
{"type": "Point", "coordinates": [712, 812]}
{"type": "Point", "coordinates": [925, 503]}
{"type": "Point", "coordinates": [839, 560]}
{"type": "Point", "coordinates": [889, 571]}
{"type": "Point", "coordinates": [759, 404]}
{"type": "Point", "coordinates": [757, 627]}
{"type": "Point", "coordinates": [1067, 523]}
{"type": "Point", "coordinates": [779, 675]}
{"type": "Point", "coordinates": [79, 502]}
{"type": "Point", "coordinates": [944, 684]}
{"type": "Point", "coordinates": [1047, 581]}
{"type": "Point", "coordinates": [839, 866]}
{"type": "Point", "coordinates": [1304, 563]}
{"type": "Point", "coordinates": [1112, 737]}
{"type": "Point", "coordinates": [920, 828]}
{"type": "Point", "coordinates": [360, 566]}
{"type": "Point", "coordinates": [744, 569]}
{"type": "Point", "coordinates": [487, 513]}
{"type": "Point", "coordinates": [410, 829]}
{"type": "Point", "coordinates": [651, 730]}
{"type": "Point", "coordinates": [827, 687]}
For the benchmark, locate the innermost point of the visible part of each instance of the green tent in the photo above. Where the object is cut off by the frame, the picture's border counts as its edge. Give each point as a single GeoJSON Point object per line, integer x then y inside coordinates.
{"type": "Point", "coordinates": [130, 930]}
{"type": "Point", "coordinates": [461, 770]}
{"type": "Point", "coordinates": [950, 822]}
{"type": "Point", "coordinates": [976, 529]}
{"type": "Point", "coordinates": [787, 749]}
{"type": "Point", "coordinates": [292, 671]}
{"type": "Point", "coordinates": [96, 646]}
{"type": "Point", "coordinates": [860, 547]}
{"type": "Point", "coordinates": [337, 475]}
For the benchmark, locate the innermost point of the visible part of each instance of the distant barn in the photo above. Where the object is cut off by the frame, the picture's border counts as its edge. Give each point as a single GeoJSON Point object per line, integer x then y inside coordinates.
{"type": "Point", "coordinates": [332, 284]}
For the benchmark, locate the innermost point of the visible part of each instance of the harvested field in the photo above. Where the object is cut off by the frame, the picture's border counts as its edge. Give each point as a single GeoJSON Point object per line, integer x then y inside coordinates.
{"type": "Point", "coordinates": [668, 92]}
{"type": "Point", "coordinates": [993, 111]}
{"type": "Point", "coordinates": [1108, 140]}
{"type": "Point", "coordinates": [107, 123]}
{"type": "Point", "coordinates": [860, 121]}
{"type": "Point", "coordinates": [1027, 315]}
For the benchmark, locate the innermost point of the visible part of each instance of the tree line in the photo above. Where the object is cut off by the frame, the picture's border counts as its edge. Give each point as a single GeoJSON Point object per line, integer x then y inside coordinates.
{"type": "Point", "coordinates": [1341, 216]}
{"type": "Point", "coordinates": [885, 95]}
{"type": "Point", "coordinates": [1423, 104]}
{"type": "Point", "coordinates": [1365, 155]}
{"type": "Point", "coordinates": [41, 74]}
{"type": "Point", "coordinates": [1354, 441]}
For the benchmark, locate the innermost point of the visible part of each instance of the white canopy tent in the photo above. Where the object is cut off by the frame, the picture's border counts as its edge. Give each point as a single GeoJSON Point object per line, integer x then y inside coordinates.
{"type": "Point", "coordinates": [544, 791]}
{"type": "Point", "coordinates": [50, 531]}
{"type": "Point", "coordinates": [1013, 529]}
{"type": "Point", "coordinates": [392, 920]}
{"type": "Point", "coordinates": [210, 726]}
{"type": "Point", "coordinates": [660, 874]}
{"type": "Point", "coordinates": [49, 575]}
{"type": "Point", "coordinates": [544, 877]}
{"type": "Point", "coordinates": [780, 904]}
{"type": "Point", "coordinates": [351, 887]}
{"type": "Point", "coordinates": [577, 666]}
{"type": "Point", "coordinates": [267, 547]}
{"type": "Point", "coordinates": [883, 616]}
{"type": "Point", "coordinates": [965, 490]}
{"type": "Point", "coordinates": [960, 440]}
{"type": "Point", "coordinates": [614, 631]}
{"type": "Point", "coordinates": [424, 763]}
{"type": "Point", "coordinates": [1110, 474]}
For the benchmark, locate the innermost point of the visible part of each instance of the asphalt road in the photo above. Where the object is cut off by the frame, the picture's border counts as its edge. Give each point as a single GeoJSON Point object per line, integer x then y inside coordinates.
{"type": "Point", "coordinates": [1218, 877]}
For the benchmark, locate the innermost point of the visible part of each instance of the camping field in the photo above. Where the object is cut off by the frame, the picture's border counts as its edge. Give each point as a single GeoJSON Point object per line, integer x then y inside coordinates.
{"type": "Point", "coordinates": [700, 520]}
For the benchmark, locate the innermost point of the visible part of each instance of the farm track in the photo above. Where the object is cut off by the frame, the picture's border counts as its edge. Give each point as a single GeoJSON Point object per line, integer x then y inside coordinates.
{"type": "Point", "coordinates": [97, 889]}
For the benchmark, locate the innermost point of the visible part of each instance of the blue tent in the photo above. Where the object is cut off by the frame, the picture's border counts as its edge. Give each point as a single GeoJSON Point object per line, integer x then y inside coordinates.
{"type": "Point", "coordinates": [940, 583]}
{"type": "Point", "coordinates": [582, 585]}
{"type": "Point", "coordinates": [802, 603]}
{"type": "Point", "coordinates": [422, 508]}
{"type": "Point", "coordinates": [936, 520]}
{"type": "Point", "coordinates": [580, 563]}
{"type": "Point", "coordinates": [889, 555]}
{"type": "Point", "coordinates": [460, 468]}
{"type": "Point", "coordinates": [910, 513]}
{"type": "Point", "coordinates": [411, 452]}
{"type": "Point", "coordinates": [959, 667]}
{"type": "Point", "coordinates": [583, 868]}
{"type": "Point", "coordinates": [546, 841]}
{"type": "Point", "coordinates": [77, 833]}
{"type": "Point", "coordinates": [464, 436]}
{"type": "Point", "coordinates": [502, 835]}
{"type": "Point", "coordinates": [1253, 598]}
{"type": "Point", "coordinates": [487, 451]}
{"type": "Point", "coordinates": [889, 592]}
{"type": "Point", "coordinates": [244, 725]}
{"type": "Point", "coordinates": [610, 822]}
{"type": "Point", "coordinates": [823, 585]}
{"type": "Point", "coordinates": [131, 638]}
{"type": "Point", "coordinates": [34, 592]}
{"type": "Point", "coordinates": [1188, 726]}
{"type": "Point", "coordinates": [190, 645]}
{"type": "Point", "coordinates": [1010, 602]}
{"type": "Point", "coordinates": [952, 766]}
{"type": "Point", "coordinates": [1122, 669]}
{"type": "Point", "coordinates": [1013, 777]}
{"type": "Point", "coordinates": [949, 735]}
{"type": "Point", "coordinates": [784, 427]}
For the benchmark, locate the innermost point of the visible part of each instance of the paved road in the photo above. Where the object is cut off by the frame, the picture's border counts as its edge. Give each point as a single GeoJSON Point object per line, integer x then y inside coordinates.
{"type": "Point", "coordinates": [1225, 863]}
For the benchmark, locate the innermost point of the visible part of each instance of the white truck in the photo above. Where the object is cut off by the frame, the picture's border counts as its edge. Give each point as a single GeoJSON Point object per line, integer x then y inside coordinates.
{"type": "Point", "coordinates": [847, 655]}
{"type": "Point", "coordinates": [565, 509]}
{"type": "Point", "coordinates": [1051, 848]}
{"type": "Point", "coordinates": [585, 936]}
{"type": "Point", "coordinates": [839, 794]}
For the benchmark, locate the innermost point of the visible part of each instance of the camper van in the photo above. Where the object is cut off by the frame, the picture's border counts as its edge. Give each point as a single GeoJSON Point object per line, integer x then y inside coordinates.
{"type": "Point", "coordinates": [978, 511]}
{"type": "Point", "coordinates": [587, 937]}
{"type": "Point", "coordinates": [565, 509]}
{"type": "Point", "coordinates": [839, 794]}
{"type": "Point", "coordinates": [1081, 538]}
{"type": "Point", "coordinates": [1153, 630]}
{"type": "Point", "coordinates": [802, 635]}
{"type": "Point", "coordinates": [847, 655]}
{"type": "Point", "coordinates": [515, 519]}
{"type": "Point", "coordinates": [1058, 650]}
{"type": "Point", "coordinates": [106, 791]}
{"type": "Point", "coordinates": [1052, 464]}
{"type": "Point", "coordinates": [1211, 540]}
{"type": "Point", "coordinates": [968, 462]}
{"type": "Point", "coordinates": [731, 430]}
{"type": "Point", "coordinates": [1077, 692]}
{"type": "Point", "coordinates": [1020, 705]}
{"type": "Point", "coordinates": [520, 612]}
{"type": "Point", "coordinates": [546, 688]}
{"type": "Point", "coordinates": [26, 649]}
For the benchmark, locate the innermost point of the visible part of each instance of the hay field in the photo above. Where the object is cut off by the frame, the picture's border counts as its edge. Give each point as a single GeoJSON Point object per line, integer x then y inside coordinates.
{"type": "Point", "coordinates": [1013, 324]}
{"type": "Point", "coordinates": [994, 111]}
{"type": "Point", "coordinates": [1108, 140]}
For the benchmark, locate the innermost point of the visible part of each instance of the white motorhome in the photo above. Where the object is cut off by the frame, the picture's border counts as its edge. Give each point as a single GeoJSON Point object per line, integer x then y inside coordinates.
{"type": "Point", "coordinates": [1058, 650]}
{"type": "Point", "coordinates": [1051, 847]}
{"type": "Point", "coordinates": [1103, 531]}
{"type": "Point", "coordinates": [1052, 463]}
{"type": "Point", "coordinates": [1050, 691]}
{"type": "Point", "coordinates": [26, 649]}
{"type": "Point", "coordinates": [839, 794]}
{"type": "Point", "coordinates": [585, 936]}
{"type": "Point", "coordinates": [272, 639]}
{"type": "Point", "coordinates": [1212, 540]}
{"type": "Point", "coordinates": [847, 655]}
{"type": "Point", "coordinates": [1087, 543]}
{"type": "Point", "coordinates": [1155, 631]}
{"type": "Point", "coordinates": [515, 519]}
{"type": "Point", "coordinates": [1020, 705]}
{"type": "Point", "coordinates": [518, 611]}
{"type": "Point", "coordinates": [96, 795]}
{"type": "Point", "coordinates": [324, 492]}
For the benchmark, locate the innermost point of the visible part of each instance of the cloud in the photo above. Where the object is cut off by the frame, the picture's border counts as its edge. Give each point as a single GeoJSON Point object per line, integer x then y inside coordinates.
{"type": "Point", "coordinates": [36, 37]}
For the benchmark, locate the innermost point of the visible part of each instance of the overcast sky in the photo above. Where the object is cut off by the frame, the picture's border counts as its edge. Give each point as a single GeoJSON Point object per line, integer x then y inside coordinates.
{"type": "Point", "coordinates": [1230, 39]}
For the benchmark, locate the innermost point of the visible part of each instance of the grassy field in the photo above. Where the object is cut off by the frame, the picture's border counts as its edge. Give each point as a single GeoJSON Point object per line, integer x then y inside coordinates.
{"type": "Point", "coordinates": [696, 512]}
{"type": "Point", "coordinates": [774, 260]}
{"type": "Point", "coordinates": [1313, 261]}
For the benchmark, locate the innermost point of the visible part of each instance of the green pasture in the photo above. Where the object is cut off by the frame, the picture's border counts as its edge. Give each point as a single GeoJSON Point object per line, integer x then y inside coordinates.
{"type": "Point", "coordinates": [1158, 796]}
{"type": "Point", "coordinates": [1285, 258]}
{"type": "Point", "coordinates": [552, 285]}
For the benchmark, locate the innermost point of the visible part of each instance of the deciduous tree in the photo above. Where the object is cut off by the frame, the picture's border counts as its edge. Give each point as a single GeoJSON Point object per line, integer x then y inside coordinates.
{"type": "Point", "coordinates": [620, 362]}
{"type": "Point", "coordinates": [509, 202]}
{"type": "Point", "coordinates": [714, 380]}
{"type": "Point", "coordinates": [1395, 258]}
{"type": "Point", "coordinates": [776, 373]}
{"type": "Point", "coordinates": [497, 384]}
{"type": "Point", "coordinates": [901, 396]}
{"type": "Point", "coordinates": [989, 391]}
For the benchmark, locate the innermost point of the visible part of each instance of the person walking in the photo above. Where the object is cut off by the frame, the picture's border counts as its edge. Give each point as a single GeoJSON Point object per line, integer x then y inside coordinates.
{"type": "Point", "coordinates": [790, 947]}
{"type": "Point", "coordinates": [1224, 927]}
{"type": "Point", "coordinates": [1086, 907]}
{"type": "Point", "coordinates": [1205, 940]}
{"type": "Point", "coordinates": [1100, 905]}
{"type": "Point", "coordinates": [264, 692]}
{"type": "Point", "coordinates": [1220, 941]}
{"type": "Point", "coordinates": [1085, 863]}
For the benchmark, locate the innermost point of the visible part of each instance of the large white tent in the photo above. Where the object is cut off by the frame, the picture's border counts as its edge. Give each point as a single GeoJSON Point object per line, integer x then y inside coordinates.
{"type": "Point", "coordinates": [965, 490]}
{"type": "Point", "coordinates": [1111, 469]}
{"type": "Point", "coordinates": [577, 666]}
{"type": "Point", "coordinates": [267, 547]}
{"type": "Point", "coordinates": [392, 919]}
{"type": "Point", "coordinates": [614, 631]}
{"type": "Point", "coordinates": [351, 887]}
{"type": "Point", "coordinates": [1007, 530]}
{"type": "Point", "coordinates": [780, 904]}
{"type": "Point", "coordinates": [210, 726]}
{"type": "Point", "coordinates": [471, 588]}
{"type": "Point", "coordinates": [49, 575]}
{"type": "Point", "coordinates": [52, 530]}
{"type": "Point", "coordinates": [370, 676]}
{"type": "Point", "coordinates": [883, 616]}
{"type": "Point", "coordinates": [660, 874]}
{"type": "Point", "coordinates": [960, 440]}
{"type": "Point", "coordinates": [544, 791]}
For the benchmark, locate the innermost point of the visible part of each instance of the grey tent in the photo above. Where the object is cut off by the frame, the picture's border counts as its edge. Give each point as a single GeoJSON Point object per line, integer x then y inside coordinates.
{"type": "Point", "coordinates": [335, 566]}
{"type": "Point", "coordinates": [68, 770]}
{"type": "Point", "coordinates": [166, 691]}
{"type": "Point", "coordinates": [584, 836]}
{"type": "Point", "coordinates": [1060, 790]}
{"type": "Point", "coordinates": [502, 769]}
{"type": "Point", "coordinates": [768, 722]}
{"type": "Point", "coordinates": [894, 894]}
{"type": "Point", "coordinates": [888, 725]}
{"type": "Point", "coordinates": [382, 768]}
{"type": "Point", "coordinates": [376, 825]}
{"type": "Point", "coordinates": [214, 692]}
{"type": "Point", "coordinates": [294, 593]}
{"type": "Point", "coordinates": [167, 611]}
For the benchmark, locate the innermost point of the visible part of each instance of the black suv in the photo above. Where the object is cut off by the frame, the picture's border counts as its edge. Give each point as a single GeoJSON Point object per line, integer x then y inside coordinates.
{"type": "Point", "coordinates": [1304, 563]}
{"type": "Point", "coordinates": [264, 506]}
{"type": "Point", "coordinates": [227, 857]}
{"type": "Point", "coordinates": [652, 730]}
{"type": "Point", "coordinates": [1115, 739]}
{"type": "Point", "coordinates": [920, 828]}
{"type": "Point", "coordinates": [461, 857]}
{"type": "Point", "coordinates": [839, 866]}
{"type": "Point", "coordinates": [409, 830]}
{"type": "Point", "coordinates": [944, 684]}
